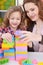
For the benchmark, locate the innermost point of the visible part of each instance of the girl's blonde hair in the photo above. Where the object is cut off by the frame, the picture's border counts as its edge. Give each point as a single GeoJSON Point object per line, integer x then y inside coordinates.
{"type": "Point", "coordinates": [9, 12]}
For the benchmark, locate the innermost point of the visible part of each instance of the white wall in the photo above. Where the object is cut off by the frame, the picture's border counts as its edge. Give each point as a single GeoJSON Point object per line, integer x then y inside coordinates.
{"type": "Point", "coordinates": [20, 2]}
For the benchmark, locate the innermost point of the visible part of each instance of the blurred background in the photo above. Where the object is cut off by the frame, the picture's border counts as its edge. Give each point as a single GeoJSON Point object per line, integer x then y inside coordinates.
{"type": "Point", "coordinates": [5, 4]}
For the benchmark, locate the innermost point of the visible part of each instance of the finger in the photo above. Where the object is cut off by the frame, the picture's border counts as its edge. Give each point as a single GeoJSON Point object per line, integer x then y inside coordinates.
{"type": "Point", "coordinates": [8, 39]}
{"type": "Point", "coordinates": [25, 32]}
{"type": "Point", "coordinates": [25, 39]}
{"type": "Point", "coordinates": [24, 36]}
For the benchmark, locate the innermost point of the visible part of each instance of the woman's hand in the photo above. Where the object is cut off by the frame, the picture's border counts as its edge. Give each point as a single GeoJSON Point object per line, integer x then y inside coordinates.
{"type": "Point", "coordinates": [30, 37]}
{"type": "Point", "coordinates": [7, 36]}
{"type": "Point", "coordinates": [25, 36]}
{"type": "Point", "coordinates": [29, 44]}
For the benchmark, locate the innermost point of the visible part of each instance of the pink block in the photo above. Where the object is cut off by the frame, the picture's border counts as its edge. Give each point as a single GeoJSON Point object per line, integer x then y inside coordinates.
{"type": "Point", "coordinates": [11, 58]}
{"type": "Point", "coordinates": [19, 57]}
{"type": "Point", "coordinates": [35, 62]}
{"type": "Point", "coordinates": [21, 49]}
{"type": "Point", "coordinates": [1, 51]}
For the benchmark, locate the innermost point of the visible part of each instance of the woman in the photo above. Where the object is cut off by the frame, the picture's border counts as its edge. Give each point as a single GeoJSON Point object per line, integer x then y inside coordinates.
{"type": "Point", "coordinates": [34, 14]}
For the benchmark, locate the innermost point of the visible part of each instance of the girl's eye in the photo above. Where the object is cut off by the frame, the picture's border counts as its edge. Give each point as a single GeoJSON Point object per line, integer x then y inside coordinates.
{"type": "Point", "coordinates": [18, 19]}
{"type": "Point", "coordinates": [12, 18]}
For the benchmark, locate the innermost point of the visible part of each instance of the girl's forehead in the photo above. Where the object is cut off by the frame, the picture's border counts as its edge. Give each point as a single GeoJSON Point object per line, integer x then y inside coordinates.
{"type": "Point", "coordinates": [15, 14]}
{"type": "Point", "coordinates": [30, 5]}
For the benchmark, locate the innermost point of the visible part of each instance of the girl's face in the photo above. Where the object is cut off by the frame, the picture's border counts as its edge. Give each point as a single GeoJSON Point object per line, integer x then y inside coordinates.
{"type": "Point", "coordinates": [15, 19]}
{"type": "Point", "coordinates": [32, 11]}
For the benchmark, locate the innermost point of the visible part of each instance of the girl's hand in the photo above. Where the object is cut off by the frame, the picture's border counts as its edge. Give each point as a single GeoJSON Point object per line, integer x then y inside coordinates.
{"type": "Point", "coordinates": [7, 36]}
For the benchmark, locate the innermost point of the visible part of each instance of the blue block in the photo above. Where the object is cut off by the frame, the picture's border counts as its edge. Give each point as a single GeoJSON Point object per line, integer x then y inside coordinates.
{"type": "Point", "coordinates": [27, 64]}
{"type": "Point", "coordinates": [1, 55]}
{"type": "Point", "coordinates": [9, 56]}
{"type": "Point", "coordinates": [13, 39]}
{"type": "Point", "coordinates": [10, 50]}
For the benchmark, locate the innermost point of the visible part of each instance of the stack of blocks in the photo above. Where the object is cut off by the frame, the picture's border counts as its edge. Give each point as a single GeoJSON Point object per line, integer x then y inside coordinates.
{"type": "Point", "coordinates": [1, 53]}
{"type": "Point", "coordinates": [9, 50]}
{"type": "Point", "coordinates": [7, 45]}
{"type": "Point", "coordinates": [21, 48]}
{"type": "Point", "coordinates": [10, 54]}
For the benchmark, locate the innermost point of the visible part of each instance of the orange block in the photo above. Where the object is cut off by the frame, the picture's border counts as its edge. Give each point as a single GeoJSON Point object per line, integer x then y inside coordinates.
{"type": "Point", "coordinates": [20, 61]}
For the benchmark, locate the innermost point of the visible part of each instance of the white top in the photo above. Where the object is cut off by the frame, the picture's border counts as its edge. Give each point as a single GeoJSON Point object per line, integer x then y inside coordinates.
{"type": "Point", "coordinates": [38, 28]}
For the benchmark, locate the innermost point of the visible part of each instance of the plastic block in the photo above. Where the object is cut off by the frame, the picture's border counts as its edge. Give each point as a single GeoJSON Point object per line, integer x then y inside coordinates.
{"type": "Point", "coordinates": [1, 55]}
{"type": "Point", "coordinates": [27, 62]}
{"type": "Point", "coordinates": [1, 51]}
{"type": "Point", "coordinates": [34, 61]}
{"type": "Point", "coordinates": [10, 50]}
{"type": "Point", "coordinates": [9, 54]}
{"type": "Point", "coordinates": [7, 45]}
{"type": "Point", "coordinates": [40, 63]}
{"type": "Point", "coordinates": [3, 61]}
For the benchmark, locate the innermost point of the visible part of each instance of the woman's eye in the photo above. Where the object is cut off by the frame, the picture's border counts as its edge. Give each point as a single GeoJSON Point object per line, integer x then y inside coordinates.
{"type": "Point", "coordinates": [32, 9]}
{"type": "Point", "coordinates": [27, 11]}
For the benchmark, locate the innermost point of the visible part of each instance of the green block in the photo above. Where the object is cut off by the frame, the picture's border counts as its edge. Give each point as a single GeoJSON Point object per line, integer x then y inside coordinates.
{"type": "Point", "coordinates": [28, 61]}
{"type": "Point", "coordinates": [3, 61]}
{"type": "Point", "coordinates": [4, 41]}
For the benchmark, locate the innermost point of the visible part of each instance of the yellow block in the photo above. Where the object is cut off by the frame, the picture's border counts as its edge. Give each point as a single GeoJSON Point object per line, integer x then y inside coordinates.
{"type": "Point", "coordinates": [40, 63]}
{"type": "Point", "coordinates": [21, 52]}
{"type": "Point", "coordinates": [9, 54]}
{"type": "Point", "coordinates": [21, 44]}
{"type": "Point", "coordinates": [6, 46]}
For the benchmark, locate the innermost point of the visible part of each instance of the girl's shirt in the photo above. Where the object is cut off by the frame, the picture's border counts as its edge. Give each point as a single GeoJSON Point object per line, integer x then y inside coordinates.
{"type": "Point", "coordinates": [5, 30]}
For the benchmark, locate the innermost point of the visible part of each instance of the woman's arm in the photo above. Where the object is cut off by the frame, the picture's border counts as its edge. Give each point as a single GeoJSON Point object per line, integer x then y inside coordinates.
{"type": "Point", "coordinates": [30, 37]}
{"type": "Point", "coordinates": [41, 42]}
{"type": "Point", "coordinates": [36, 37]}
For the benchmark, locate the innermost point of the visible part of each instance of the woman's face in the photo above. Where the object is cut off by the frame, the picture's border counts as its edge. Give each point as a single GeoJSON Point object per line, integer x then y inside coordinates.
{"type": "Point", "coordinates": [15, 19]}
{"type": "Point", "coordinates": [32, 11]}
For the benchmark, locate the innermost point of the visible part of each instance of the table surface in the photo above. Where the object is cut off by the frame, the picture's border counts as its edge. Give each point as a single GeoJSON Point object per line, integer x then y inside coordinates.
{"type": "Point", "coordinates": [36, 55]}
{"type": "Point", "coordinates": [12, 63]}
{"type": "Point", "coordinates": [31, 55]}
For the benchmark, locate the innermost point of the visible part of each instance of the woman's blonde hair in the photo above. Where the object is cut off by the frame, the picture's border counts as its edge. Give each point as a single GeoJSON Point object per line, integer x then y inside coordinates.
{"type": "Point", "coordinates": [9, 12]}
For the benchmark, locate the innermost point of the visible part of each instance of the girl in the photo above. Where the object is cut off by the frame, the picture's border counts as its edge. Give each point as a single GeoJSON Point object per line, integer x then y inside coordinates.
{"type": "Point", "coordinates": [12, 21]}
{"type": "Point", "coordinates": [34, 14]}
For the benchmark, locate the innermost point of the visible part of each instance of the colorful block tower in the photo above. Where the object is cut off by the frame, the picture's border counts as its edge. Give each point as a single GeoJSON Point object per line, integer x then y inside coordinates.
{"type": "Point", "coordinates": [1, 53]}
{"type": "Point", "coordinates": [10, 54]}
{"type": "Point", "coordinates": [9, 49]}
{"type": "Point", "coordinates": [21, 48]}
